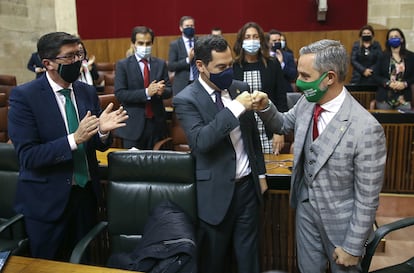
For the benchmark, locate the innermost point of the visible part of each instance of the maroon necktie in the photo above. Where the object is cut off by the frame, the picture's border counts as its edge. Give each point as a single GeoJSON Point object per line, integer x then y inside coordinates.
{"type": "Point", "coordinates": [148, 106]}
{"type": "Point", "coordinates": [316, 114]}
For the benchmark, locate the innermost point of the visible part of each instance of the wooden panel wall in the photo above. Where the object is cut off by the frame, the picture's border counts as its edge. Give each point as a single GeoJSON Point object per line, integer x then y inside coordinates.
{"type": "Point", "coordinates": [112, 50]}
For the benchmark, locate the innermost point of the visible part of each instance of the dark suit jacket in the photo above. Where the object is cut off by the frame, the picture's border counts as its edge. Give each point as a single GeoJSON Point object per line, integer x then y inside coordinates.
{"type": "Point", "coordinates": [208, 133]}
{"type": "Point", "coordinates": [290, 71]}
{"type": "Point", "coordinates": [130, 92]}
{"type": "Point", "coordinates": [34, 62]}
{"type": "Point", "coordinates": [39, 135]}
{"type": "Point", "coordinates": [360, 62]}
{"type": "Point", "coordinates": [383, 76]}
{"type": "Point", "coordinates": [177, 63]}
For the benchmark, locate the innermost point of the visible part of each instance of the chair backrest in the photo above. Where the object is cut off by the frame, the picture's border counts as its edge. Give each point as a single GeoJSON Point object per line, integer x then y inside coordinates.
{"type": "Point", "coordinates": [138, 182]}
{"type": "Point", "coordinates": [9, 173]}
{"type": "Point", "coordinates": [7, 83]}
{"type": "Point", "coordinates": [109, 83]}
{"type": "Point", "coordinates": [4, 109]}
{"type": "Point", "coordinates": [104, 68]}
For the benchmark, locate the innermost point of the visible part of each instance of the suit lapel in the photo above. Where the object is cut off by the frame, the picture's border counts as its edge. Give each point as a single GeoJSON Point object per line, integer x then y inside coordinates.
{"type": "Point", "coordinates": [133, 67]}
{"type": "Point", "coordinates": [204, 100]}
{"type": "Point", "coordinates": [334, 132]}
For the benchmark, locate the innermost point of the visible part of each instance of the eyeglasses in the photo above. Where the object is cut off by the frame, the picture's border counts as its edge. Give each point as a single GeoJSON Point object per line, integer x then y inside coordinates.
{"type": "Point", "coordinates": [71, 56]}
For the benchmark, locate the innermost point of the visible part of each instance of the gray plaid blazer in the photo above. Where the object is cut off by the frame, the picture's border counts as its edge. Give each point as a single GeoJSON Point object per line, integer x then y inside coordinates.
{"type": "Point", "coordinates": [349, 172]}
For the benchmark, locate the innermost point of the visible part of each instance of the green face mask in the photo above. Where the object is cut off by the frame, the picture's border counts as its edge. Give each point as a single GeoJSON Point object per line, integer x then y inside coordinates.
{"type": "Point", "coordinates": [311, 90]}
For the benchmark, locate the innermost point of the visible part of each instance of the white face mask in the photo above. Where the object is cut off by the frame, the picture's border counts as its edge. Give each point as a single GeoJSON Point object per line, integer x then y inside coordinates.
{"type": "Point", "coordinates": [283, 44]}
{"type": "Point", "coordinates": [143, 52]}
{"type": "Point", "coordinates": [251, 46]}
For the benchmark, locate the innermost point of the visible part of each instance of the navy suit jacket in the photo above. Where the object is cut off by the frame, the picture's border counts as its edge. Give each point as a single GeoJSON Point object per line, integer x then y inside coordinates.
{"type": "Point", "coordinates": [130, 92]}
{"type": "Point", "coordinates": [34, 62]}
{"type": "Point", "coordinates": [208, 133]}
{"type": "Point", "coordinates": [177, 56]}
{"type": "Point", "coordinates": [39, 135]}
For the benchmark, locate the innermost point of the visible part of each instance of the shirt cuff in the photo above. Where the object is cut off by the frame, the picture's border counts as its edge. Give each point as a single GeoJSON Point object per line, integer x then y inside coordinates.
{"type": "Point", "coordinates": [262, 176]}
{"type": "Point", "coordinates": [236, 108]}
{"type": "Point", "coordinates": [72, 142]}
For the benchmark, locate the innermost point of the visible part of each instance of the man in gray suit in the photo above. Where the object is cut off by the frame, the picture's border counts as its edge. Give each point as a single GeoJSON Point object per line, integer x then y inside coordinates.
{"type": "Point", "coordinates": [338, 166]}
{"type": "Point", "coordinates": [214, 112]}
{"type": "Point", "coordinates": [141, 85]}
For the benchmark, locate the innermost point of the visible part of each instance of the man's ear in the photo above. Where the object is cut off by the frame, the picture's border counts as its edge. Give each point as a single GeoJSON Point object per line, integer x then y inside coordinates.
{"type": "Point", "coordinates": [47, 64]}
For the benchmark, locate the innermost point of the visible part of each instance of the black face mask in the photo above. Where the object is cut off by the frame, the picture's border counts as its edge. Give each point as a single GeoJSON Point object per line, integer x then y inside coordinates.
{"type": "Point", "coordinates": [276, 46]}
{"type": "Point", "coordinates": [366, 38]}
{"type": "Point", "coordinates": [70, 72]}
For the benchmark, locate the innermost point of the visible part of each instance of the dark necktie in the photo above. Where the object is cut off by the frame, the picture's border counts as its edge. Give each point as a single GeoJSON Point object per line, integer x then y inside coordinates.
{"type": "Point", "coordinates": [219, 101]}
{"type": "Point", "coordinates": [80, 168]}
{"type": "Point", "coordinates": [193, 65]}
{"type": "Point", "coordinates": [148, 106]}
{"type": "Point", "coordinates": [317, 112]}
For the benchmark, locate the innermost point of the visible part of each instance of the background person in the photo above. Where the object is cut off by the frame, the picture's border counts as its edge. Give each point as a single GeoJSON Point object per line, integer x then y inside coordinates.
{"type": "Point", "coordinates": [56, 126]}
{"type": "Point", "coordinates": [181, 54]}
{"type": "Point", "coordinates": [253, 65]}
{"type": "Point", "coordinates": [366, 53]}
{"type": "Point", "coordinates": [141, 97]}
{"type": "Point", "coordinates": [339, 161]}
{"type": "Point", "coordinates": [395, 73]}
{"type": "Point", "coordinates": [35, 64]}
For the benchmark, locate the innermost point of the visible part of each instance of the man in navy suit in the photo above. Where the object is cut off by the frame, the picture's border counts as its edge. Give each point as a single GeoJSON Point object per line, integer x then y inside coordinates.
{"type": "Point", "coordinates": [143, 99]}
{"type": "Point", "coordinates": [214, 112]}
{"type": "Point", "coordinates": [59, 206]}
{"type": "Point", "coordinates": [181, 54]}
{"type": "Point", "coordinates": [35, 64]}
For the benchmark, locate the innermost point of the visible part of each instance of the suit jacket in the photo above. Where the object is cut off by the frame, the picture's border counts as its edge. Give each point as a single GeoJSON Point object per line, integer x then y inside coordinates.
{"type": "Point", "coordinates": [130, 92]}
{"type": "Point", "coordinates": [360, 62]}
{"type": "Point", "coordinates": [349, 170]}
{"type": "Point", "coordinates": [207, 131]}
{"type": "Point", "coordinates": [38, 132]}
{"type": "Point", "coordinates": [34, 62]}
{"type": "Point", "coordinates": [290, 72]}
{"type": "Point", "coordinates": [177, 63]}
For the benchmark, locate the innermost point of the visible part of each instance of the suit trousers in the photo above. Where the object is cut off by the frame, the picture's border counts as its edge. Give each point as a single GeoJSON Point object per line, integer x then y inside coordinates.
{"type": "Point", "coordinates": [314, 249]}
{"type": "Point", "coordinates": [237, 232]}
{"type": "Point", "coordinates": [56, 240]}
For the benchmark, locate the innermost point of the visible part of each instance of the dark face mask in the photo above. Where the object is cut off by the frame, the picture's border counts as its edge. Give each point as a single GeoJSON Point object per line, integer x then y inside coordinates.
{"type": "Point", "coordinates": [366, 38]}
{"type": "Point", "coordinates": [394, 42]}
{"type": "Point", "coordinates": [276, 46]}
{"type": "Point", "coordinates": [69, 72]}
{"type": "Point", "coordinates": [189, 32]}
{"type": "Point", "coordinates": [223, 79]}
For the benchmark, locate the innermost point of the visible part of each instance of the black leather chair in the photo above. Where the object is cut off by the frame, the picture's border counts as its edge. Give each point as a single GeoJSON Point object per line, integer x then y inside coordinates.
{"type": "Point", "coordinates": [405, 267]}
{"type": "Point", "coordinates": [137, 182]}
{"type": "Point", "coordinates": [12, 233]}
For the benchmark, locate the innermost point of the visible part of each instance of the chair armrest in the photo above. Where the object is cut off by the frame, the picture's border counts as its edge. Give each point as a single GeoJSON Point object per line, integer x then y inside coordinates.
{"type": "Point", "coordinates": [81, 246]}
{"type": "Point", "coordinates": [160, 144]}
{"type": "Point", "coordinates": [11, 221]}
{"type": "Point", "coordinates": [379, 234]}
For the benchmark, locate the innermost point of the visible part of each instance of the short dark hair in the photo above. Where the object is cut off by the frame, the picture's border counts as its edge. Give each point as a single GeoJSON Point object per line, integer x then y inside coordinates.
{"type": "Point", "coordinates": [142, 30]}
{"type": "Point", "coordinates": [206, 44]}
{"type": "Point", "coordinates": [48, 46]}
{"type": "Point", "coordinates": [272, 32]}
{"type": "Point", "coordinates": [186, 17]}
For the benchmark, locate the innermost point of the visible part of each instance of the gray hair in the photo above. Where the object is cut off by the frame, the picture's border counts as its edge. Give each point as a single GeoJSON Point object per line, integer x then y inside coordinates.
{"type": "Point", "coordinates": [330, 55]}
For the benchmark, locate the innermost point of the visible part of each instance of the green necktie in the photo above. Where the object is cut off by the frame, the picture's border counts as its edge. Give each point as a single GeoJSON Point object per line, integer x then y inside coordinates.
{"type": "Point", "coordinates": [79, 159]}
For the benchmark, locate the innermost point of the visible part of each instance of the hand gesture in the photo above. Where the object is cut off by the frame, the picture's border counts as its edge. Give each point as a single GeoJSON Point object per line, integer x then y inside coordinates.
{"type": "Point", "coordinates": [245, 99]}
{"type": "Point", "coordinates": [88, 127]}
{"type": "Point", "coordinates": [343, 258]}
{"type": "Point", "coordinates": [260, 100]}
{"type": "Point", "coordinates": [109, 120]}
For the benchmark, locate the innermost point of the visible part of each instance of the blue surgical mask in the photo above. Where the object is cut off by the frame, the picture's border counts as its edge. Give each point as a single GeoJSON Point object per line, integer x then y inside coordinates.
{"type": "Point", "coordinates": [223, 79]}
{"type": "Point", "coordinates": [143, 52]}
{"type": "Point", "coordinates": [251, 46]}
{"type": "Point", "coordinates": [394, 42]}
{"type": "Point", "coordinates": [189, 32]}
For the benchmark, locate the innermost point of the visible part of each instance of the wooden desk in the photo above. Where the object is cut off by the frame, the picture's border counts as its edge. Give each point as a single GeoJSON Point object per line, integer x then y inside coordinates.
{"type": "Point", "coordinates": [17, 264]}
{"type": "Point", "coordinates": [277, 235]}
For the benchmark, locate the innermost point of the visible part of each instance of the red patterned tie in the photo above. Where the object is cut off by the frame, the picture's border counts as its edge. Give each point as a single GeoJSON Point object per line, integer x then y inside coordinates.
{"type": "Point", "coordinates": [316, 114]}
{"type": "Point", "coordinates": [148, 106]}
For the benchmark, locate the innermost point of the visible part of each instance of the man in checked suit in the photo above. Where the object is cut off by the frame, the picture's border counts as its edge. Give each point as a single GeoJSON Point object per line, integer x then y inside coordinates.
{"type": "Point", "coordinates": [181, 54]}
{"type": "Point", "coordinates": [59, 208]}
{"type": "Point", "coordinates": [230, 168]}
{"type": "Point", "coordinates": [143, 129]}
{"type": "Point", "coordinates": [338, 172]}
